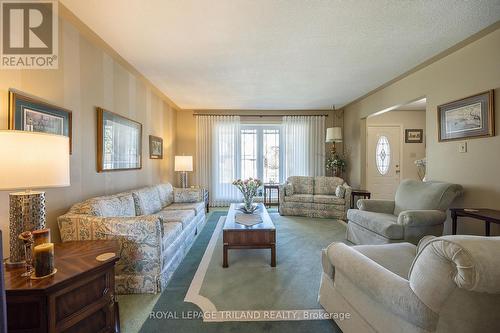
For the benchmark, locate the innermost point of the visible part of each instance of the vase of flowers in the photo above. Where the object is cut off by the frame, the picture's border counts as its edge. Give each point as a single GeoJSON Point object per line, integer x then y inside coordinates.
{"type": "Point", "coordinates": [336, 164]}
{"type": "Point", "coordinates": [248, 187]}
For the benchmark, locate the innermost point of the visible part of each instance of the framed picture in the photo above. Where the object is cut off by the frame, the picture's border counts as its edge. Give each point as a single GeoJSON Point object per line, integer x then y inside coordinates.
{"type": "Point", "coordinates": [155, 147]}
{"type": "Point", "coordinates": [28, 113]}
{"type": "Point", "coordinates": [119, 142]}
{"type": "Point", "coordinates": [414, 135]}
{"type": "Point", "coordinates": [471, 117]}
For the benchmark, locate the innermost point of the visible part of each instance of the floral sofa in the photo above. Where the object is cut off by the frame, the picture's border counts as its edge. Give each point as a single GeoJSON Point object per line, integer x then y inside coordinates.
{"type": "Point", "coordinates": [324, 197]}
{"type": "Point", "coordinates": [155, 226]}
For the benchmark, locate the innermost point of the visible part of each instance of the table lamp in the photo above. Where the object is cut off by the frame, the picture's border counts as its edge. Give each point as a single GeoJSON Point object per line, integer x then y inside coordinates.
{"type": "Point", "coordinates": [30, 160]}
{"type": "Point", "coordinates": [333, 135]}
{"type": "Point", "coordinates": [184, 164]}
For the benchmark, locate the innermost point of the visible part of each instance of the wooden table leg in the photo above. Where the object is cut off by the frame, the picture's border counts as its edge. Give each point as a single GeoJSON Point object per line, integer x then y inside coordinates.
{"type": "Point", "coordinates": [453, 223]}
{"type": "Point", "coordinates": [117, 318]}
{"type": "Point", "coordinates": [224, 257]}
{"type": "Point", "coordinates": [273, 255]}
{"type": "Point", "coordinates": [487, 228]}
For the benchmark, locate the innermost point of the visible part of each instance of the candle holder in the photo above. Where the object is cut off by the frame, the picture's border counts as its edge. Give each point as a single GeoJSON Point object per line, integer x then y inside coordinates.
{"type": "Point", "coordinates": [27, 238]}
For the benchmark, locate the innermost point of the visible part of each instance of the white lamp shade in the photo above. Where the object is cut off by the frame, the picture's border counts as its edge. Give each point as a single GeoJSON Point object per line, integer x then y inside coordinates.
{"type": "Point", "coordinates": [33, 160]}
{"type": "Point", "coordinates": [183, 163]}
{"type": "Point", "coordinates": [334, 134]}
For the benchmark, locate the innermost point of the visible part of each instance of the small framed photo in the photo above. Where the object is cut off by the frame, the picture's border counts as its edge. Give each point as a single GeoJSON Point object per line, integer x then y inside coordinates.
{"type": "Point", "coordinates": [28, 113]}
{"type": "Point", "coordinates": [467, 118]}
{"type": "Point", "coordinates": [414, 135]}
{"type": "Point", "coordinates": [155, 147]}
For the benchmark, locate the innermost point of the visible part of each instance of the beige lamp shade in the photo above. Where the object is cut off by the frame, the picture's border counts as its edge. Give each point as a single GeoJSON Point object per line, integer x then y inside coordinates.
{"type": "Point", "coordinates": [333, 134]}
{"type": "Point", "coordinates": [183, 163]}
{"type": "Point", "coordinates": [33, 160]}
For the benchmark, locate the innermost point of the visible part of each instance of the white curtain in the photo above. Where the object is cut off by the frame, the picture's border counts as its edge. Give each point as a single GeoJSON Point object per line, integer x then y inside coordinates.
{"type": "Point", "coordinates": [217, 157]}
{"type": "Point", "coordinates": [304, 139]}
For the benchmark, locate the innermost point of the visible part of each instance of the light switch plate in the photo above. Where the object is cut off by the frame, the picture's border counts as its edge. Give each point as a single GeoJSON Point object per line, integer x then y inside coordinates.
{"type": "Point", "coordinates": [462, 147]}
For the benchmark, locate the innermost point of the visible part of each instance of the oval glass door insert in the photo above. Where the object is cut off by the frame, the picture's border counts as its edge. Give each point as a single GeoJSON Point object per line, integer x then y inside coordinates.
{"type": "Point", "coordinates": [383, 155]}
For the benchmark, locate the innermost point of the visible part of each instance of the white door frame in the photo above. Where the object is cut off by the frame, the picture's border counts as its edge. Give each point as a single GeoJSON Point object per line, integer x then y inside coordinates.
{"type": "Point", "coordinates": [401, 138]}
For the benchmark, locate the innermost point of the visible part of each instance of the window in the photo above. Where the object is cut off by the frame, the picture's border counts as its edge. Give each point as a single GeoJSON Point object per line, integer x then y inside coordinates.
{"type": "Point", "coordinates": [249, 153]}
{"type": "Point", "coordinates": [383, 155]}
{"type": "Point", "coordinates": [260, 153]}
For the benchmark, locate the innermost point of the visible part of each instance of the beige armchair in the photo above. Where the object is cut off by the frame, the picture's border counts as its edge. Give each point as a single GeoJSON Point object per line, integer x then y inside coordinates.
{"type": "Point", "coordinates": [419, 209]}
{"type": "Point", "coordinates": [445, 284]}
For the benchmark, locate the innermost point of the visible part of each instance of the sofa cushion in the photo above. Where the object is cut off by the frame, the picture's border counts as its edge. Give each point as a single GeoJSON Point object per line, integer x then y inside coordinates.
{"type": "Point", "coordinates": [417, 195]}
{"type": "Point", "coordinates": [302, 184]}
{"type": "Point", "coordinates": [396, 257]}
{"type": "Point", "coordinates": [114, 206]}
{"type": "Point", "coordinates": [171, 231]}
{"type": "Point", "coordinates": [147, 201]}
{"type": "Point", "coordinates": [326, 185]}
{"type": "Point", "coordinates": [299, 198]}
{"type": "Point", "coordinates": [383, 224]}
{"type": "Point", "coordinates": [187, 195]}
{"type": "Point", "coordinates": [328, 199]}
{"type": "Point", "coordinates": [196, 207]}
{"type": "Point", "coordinates": [166, 193]}
{"type": "Point", "coordinates": [340, 191]}
{"type": "Point", "coordinates": [186, 217]}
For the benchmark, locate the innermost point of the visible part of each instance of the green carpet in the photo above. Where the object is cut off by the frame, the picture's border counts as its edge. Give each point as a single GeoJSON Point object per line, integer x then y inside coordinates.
{"type": "Point", "coordinates": [250, 283]}
{"type": "Point", "coordinates": [172, 314]}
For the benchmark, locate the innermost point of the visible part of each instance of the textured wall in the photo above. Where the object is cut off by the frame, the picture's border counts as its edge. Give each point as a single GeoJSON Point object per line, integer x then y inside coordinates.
{"type": "Point", "coordinates": [467, 71]}
{"type": "Point", "coordinates": [89, 75]}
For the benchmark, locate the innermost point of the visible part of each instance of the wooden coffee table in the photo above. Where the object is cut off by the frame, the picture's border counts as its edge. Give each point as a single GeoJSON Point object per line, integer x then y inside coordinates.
{"type": "Point", "coordinates": [258, 236]}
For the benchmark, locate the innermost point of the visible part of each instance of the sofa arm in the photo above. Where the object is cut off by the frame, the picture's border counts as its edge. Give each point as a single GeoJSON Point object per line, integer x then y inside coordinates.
{"type": "Point", "coordinates": [383, 286]}
{"type": "Point", "coordinates": [185, 195]}
{"type": "Point", "coordinates": [377, 206]}
{"type": "Point", "coordinates": [347, 197]}
{"type": "Point", "coordinates": [140, 238]}
{"type": "Point", "coordinates": [415, 218]}
{"type": "Point", "coordinates": [282, 193]}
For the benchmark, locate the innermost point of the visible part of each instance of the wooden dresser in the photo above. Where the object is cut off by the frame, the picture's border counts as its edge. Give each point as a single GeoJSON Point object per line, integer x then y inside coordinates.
{"type": "Point", "coordinates": [80, 297]}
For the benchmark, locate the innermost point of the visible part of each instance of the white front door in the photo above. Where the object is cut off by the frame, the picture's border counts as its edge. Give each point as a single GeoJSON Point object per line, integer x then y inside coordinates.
{"type": "Point", "coordinates": [383, 161]}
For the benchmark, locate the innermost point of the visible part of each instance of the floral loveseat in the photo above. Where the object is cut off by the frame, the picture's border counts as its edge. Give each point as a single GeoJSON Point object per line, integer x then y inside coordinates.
{"type": "Point", "coordinates": [155, 225]}
{"type": "Point", "coordinates": [325, 197]}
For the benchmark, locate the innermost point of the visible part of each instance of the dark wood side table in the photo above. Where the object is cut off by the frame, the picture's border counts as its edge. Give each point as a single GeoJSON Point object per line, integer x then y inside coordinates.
{"type": "Point", "coordinates": [268, 190]}
{"type": "Point", "coordinates": [359, 193]}
{"type": "Point", "coordinates": [486, 215]}
{"type": "Point", "coordinates": [80, 297]}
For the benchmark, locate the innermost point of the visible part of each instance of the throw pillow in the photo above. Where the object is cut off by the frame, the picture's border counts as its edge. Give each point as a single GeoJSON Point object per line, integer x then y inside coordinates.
{"type": "Point", "coordinates": [289, 189]}
{"type": "Point", "coordinates": [340, 191]}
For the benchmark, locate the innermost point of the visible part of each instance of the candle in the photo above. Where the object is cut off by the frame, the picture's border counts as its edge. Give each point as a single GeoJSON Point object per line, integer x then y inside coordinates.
{"type": "Point", "coordinates": [44, 259]}
{"type": "Point", "coordinates": [41, 236]}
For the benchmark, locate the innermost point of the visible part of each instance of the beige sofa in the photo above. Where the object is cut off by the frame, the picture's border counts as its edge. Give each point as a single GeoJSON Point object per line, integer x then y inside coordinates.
{"type": "Point", "coordinates": [314, 197]}
{"type": "Point", "coordinates": [156, 227]}
{"type": "Point", "coordinates": [445, 284]}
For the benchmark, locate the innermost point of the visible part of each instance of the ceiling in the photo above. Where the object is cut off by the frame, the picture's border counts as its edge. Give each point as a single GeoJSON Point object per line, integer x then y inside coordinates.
{"type": "Point", "coordinates": [265, 54]}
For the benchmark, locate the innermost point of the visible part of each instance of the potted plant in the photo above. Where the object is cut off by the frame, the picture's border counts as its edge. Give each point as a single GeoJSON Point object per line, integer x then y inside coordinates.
{"type": "Point", "coordinates": [336, 164]}
{"type": "Point", "coordinates": [248, 187]}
